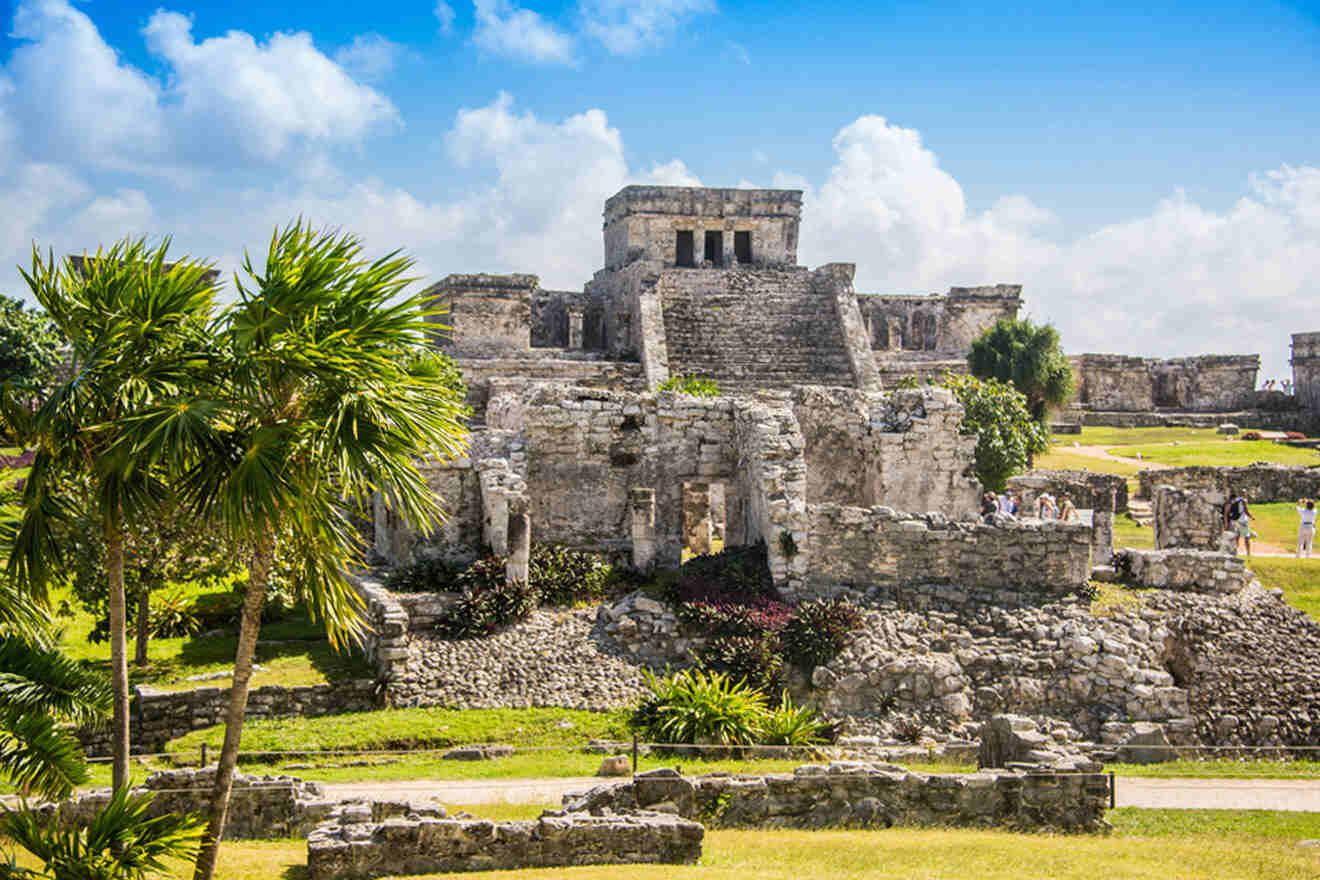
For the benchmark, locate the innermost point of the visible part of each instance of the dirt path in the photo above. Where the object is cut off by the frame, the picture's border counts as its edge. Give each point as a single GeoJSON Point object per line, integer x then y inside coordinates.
{"type": "Point", "coordinates": [1182, 794]}
{"type": "Point", "coordinates": [1102, 453]}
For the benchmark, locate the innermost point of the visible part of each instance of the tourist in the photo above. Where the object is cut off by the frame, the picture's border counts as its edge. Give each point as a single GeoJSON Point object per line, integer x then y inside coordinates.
{"type": "Point", "coordinates": [1068, 510]}
{"type": "Point", "coordinates": [1237, 519]}
{"type": "Point", "coordinates": [1306, 529]}
{"type": "Point", "coordinates": [1048, 509]}
{"type": "Point", "coordinates": [1005, 504]}
{"type": "Point", "coordinates": [989, 506]}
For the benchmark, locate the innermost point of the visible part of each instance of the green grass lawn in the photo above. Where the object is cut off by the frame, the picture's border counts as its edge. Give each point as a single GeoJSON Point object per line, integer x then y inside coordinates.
{"type": "Point", "coordinates": [1298, 578]}
{"type": "Point", "coordinates": [292, 652]}
{"type": "Point", "coordinates": [1129, 533]}
{"type": "Point", "coordinates": [1102, 436]}
{"type": "Point", "coordinates": [1146, 844]}
{"type": "Point", "coordinates": [1218, 452]}
{"type": "Point", "coordinates": [1059, 458]}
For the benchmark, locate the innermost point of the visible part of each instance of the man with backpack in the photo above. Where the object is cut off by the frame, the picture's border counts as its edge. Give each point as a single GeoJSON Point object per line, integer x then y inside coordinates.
{"type": "Point", "coordinates": [1237, 519]}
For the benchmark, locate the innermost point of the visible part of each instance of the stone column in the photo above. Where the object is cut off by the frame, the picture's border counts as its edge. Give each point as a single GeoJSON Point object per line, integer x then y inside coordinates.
{"type": "Point", "coordinates": [642, 503]}
{"type": "Point", "coordinates": [519, 532]}
{"type": "Point", "coordinates": [575, 327]}
{"type": "Point", "coordinates": [1102, 526]}
{"type": "Point", "coordinates": [696, 517]}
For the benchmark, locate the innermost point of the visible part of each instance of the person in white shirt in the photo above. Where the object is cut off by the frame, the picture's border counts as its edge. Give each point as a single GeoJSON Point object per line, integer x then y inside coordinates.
{"type": "Point", "coordinates": [1306, 528]}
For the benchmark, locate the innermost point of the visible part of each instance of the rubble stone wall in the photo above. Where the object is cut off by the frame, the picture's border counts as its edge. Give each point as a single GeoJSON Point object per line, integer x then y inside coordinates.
{"type": "Point", "coordinates": [487, 315]}
{"type": "Point", "coordinates": [1084, 486]}
{"type": "Point", "coordinates": [1191, 518]}
{"type": "Point", "coordinates": [156, 717]}
{"type": "Point", "coordinates": [1209, 383]}
{"type": "Point", "coordinates": [855, 794]}
{"type": "Point", "coordinates": [863, 547]}
{"type": "Point", "coordinates": [573, 368]}
{"type": "Point", "coordinates": [937, 323]}
{"type": "Point", "coordinates": [1262, 483]}
{"type": "Point", "coordinates": [353, 846]}
{"type": "Point", "coordinates": [1271, 420]}
{"type": "Point", "coordinates": [1306, 370]}
{"type": "Point", "coordinates": [1182, 570]}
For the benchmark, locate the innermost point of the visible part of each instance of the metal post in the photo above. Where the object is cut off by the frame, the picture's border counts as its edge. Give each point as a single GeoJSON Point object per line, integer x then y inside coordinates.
{"type": "Point", "coordinates": [1113, 790]}
{"type": "Point", "coordinates": [634, 754]}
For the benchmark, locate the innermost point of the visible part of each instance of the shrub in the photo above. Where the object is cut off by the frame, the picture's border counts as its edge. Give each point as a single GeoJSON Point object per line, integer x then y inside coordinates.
{"type": "Point", "coordinates": [173, 616]}
{"type": "Point", "coordinates": [1251, 435]}
{"type": "Point", "coordinates": [789, 725]}
{"type": "Point", "coordinates": [734, 575]}
{"type": "Point", "coordinates": [563, 576]}
{"type": "Point", "coordinates": [754, 617]}
{"type": "Point", "coordinates": [487, 573]}
{"type": "Point", "coordinates": [752, 659]}
{"type": "Point", "coordinates": [697, 707]}
{"type": "Point", "coordinates": [693, 386]}
{"type": "Point", "coordinates": [218, 610]}
{"type": "Point", "coordinates": [488, 605]}
{"type": "Point", "coordinates": [818, 632]}
{"type": "Point", "coordinates": [1294, 435]}
{"type": "Point", "coordinates": [424, 576]}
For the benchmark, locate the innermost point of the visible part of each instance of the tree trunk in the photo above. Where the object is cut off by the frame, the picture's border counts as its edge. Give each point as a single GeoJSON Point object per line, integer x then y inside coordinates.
{"type": "Point", "coordinates": [114, 565]}
{"type": "Point", "coordinates": [250, 626]}
{"type": "Point", "coordinates": [143, 626]}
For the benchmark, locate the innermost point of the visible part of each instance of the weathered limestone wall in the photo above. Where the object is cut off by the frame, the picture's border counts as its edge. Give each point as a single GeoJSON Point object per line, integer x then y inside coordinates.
{"type": "Point", "coordinates": [1261, 419]}
{"type": "Point", "coordinates": [642, 222]}
{"type": "Point", "coordinates": [565, 367]}
{"type": "Point", "coordinates": [1190, 518]}
{"type": "Point", "coordinates": [896, 367]}
{"type": "Point", "coordinates": [1306, 369]}
{"type": "Point", "coordinates": [853, 546]}
{"type": "Point", "coordinates": [752, 329]}
{"type": "Point", "coordinates": [1208, 383]}
{"type": "Point", "coordinates": [260, 807]}
{"type": "Point", "coordinates": [352, 845]}
{"type": "Point", "coordinates": [1263, 483]}
{"type": "Point", "coordinates": [488, 315]}
{"type": "Point", "coordinates": [565, 319]}
{"type": "Point", "coordinates": [1084, 486]}
{"type": "Point", "coordinates": [856, 794]}
{"type": "Point", "coordinates": [900, 448]}
{"type": "Point", "coordinates": [937, 323]}
{"type": "Point", "coordinates": [1184, 570]}
{"type": "Point", "coordinates": [156, 717]}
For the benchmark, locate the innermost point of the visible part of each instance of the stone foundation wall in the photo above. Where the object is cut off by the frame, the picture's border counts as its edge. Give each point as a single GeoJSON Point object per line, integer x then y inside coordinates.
{"type": "Point", "coordinates": [567, 367]}
{"type": "Point", "coordinates": [1262, 483]}
{"type": "Point", "coordinates": [1193, 571]}
{"type": "Point", "coordinates": [260, 807]}
{"type": "Point", "coordinates": [1084, 486]}
{"type": "Point", "coordinates": [156, 717]}
{"type": "Point", "coordinates": [865, 547]}
{"type": "Point", "coordinates": [1191, 518]}
{"type": "Point", "coordinates": [1209, 383]}
{"type": "Point", "coordinates": [854, 794]}
{"type": "Point", "coordinates": [353, 846]}
{"type": "Point", "coordinates": [1250, 419]}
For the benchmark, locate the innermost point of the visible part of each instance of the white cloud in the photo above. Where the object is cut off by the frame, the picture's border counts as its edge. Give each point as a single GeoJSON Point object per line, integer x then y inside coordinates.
{"type": "Point", "coordinates": [1178, 280]}
{"type": "Point", "coordinates": [505, 29]}
{"type": "Point", "coordinates": [625, 27]}
{"type": "Point", "coordinates": [232, 92]}
{"type": "Point", "coordinates": [444, 13]}
{"type": "Point", "coordinates": [738, 51]}
{"type": "Point", "coordinates": [370, 57]}
{"type": "Point", "coordinates": [73, 99]}
{"type": "Point", "coordinates": [671, 173]}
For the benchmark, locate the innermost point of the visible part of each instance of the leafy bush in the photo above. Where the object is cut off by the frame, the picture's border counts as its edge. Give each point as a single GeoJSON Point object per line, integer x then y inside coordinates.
{"type": "Point", "coordinates": [173, 616]}
{"type": "Point", "coordinates": [789, 725]}
{"type": "Point", "coordinates": [754, 617]}
{"type": "Point", "coordinates": [563, 576]}
{"type": "Point", "coordinates": [424, 576]}
{"type": "Point", "coordinates": [818, 632]}
{"type": "Point", "coordinates": [1251, 435]}
{"type": "Point", "coordinates": [752, 659]}
{"type": "Point", "coordinates": [734, 575]}
{"type": "Point", "coordinates": [698, 707]}
{"type": "Point", "coordinates": [218, 610]}
{"type": "Point", "coordinates": [488, 602]}
{"type": "Point", "coordinates": [693, 386]}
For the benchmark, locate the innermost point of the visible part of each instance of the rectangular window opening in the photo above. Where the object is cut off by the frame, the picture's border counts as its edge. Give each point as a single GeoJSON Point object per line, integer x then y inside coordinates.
{"type": "Point", "coordinates": [715, 248]}
{"type": "Point", "coordinates": [685, 255]}
{"type": "Point", "coordinates": [742, 246]}
{"type": "Point", "coordinates": [703, 519]}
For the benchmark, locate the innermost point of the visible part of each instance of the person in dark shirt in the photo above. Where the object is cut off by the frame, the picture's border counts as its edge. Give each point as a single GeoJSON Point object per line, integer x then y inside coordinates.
{"type": "Point", "coordinates": [989, 506]}
{"type": "Point", "coordinates": [1237, 519]}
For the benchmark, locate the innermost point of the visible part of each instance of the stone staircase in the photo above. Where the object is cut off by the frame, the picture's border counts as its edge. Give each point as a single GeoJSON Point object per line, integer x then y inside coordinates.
{"type": "Point", "coordinates": [753, 330]}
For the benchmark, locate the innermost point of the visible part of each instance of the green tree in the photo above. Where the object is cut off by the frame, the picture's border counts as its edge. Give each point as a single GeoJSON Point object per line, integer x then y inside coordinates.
{"type": "Point", "coordinates": [135, 326]}
{"type": "Point", "coordinates": [1007, 435]}
{"type": "Point", "coordinates": [1028, 357]}
{"type": "Point", "coordinates": [29, 345]}
{"type": "Point", "coordinates": [321, 404]}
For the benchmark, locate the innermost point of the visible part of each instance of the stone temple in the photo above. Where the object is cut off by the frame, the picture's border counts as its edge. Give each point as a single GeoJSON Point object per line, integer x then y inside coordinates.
{"type": "Point", "coordinates": [572, 439]}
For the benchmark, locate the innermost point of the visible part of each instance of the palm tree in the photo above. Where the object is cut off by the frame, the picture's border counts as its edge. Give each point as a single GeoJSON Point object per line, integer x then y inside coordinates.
{"type": "Point", "coordinates": [121, 842]}
{"type": "Point", "coordinates": [322, 405]}
{"type": "Point", "coordinates": [135, 328]}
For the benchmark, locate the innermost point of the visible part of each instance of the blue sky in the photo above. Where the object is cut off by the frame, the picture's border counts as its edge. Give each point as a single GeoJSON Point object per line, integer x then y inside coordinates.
{"type": "Point", "coordinates": [1151, 176]}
